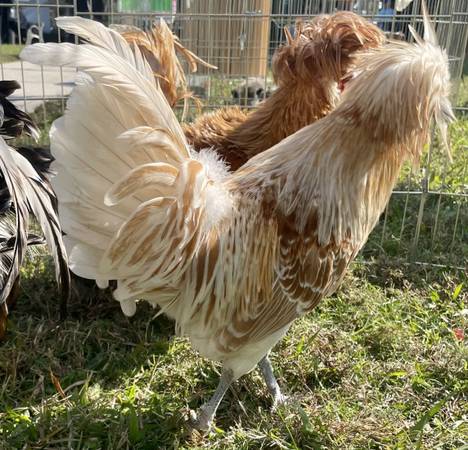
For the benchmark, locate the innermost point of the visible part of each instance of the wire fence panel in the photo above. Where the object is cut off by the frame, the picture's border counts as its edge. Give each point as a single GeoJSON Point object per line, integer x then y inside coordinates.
{"type": "Point", "coordinates": [426, 220]}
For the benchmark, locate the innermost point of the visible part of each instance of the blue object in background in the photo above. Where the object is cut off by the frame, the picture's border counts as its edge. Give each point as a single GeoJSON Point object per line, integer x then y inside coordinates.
{"type": "Point", "coordinates": [385, 17]}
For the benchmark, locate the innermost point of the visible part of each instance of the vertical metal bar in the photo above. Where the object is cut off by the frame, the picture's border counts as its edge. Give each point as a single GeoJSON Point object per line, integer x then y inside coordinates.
{"type": "Point", "coordinates": [439, 200]}
{"type": "Point", "coordinates": [210, 50]}
{"type": "Point", "coordinates": [426, 180]}
{"type": "Point", "coordinates": [112, 20]}
{"type": "Point", "coordinates": [384, 227]}
{"type": "Point", "coordinates": [405, 210]}
{"type": "Point", "coordinates": [21, 61]}
{"type": "Point", "coordinates": [62, 92]}
{"type": "Point", "coordinates": [454, 235]}
{"type": "Point", "coordinates": [436, 223]}
{"type": "Point", "coordinates": [414, 246]}
{"type": "Point", "coordinates": [41, 68]}
{"type": "Point", "coordinates": [424, 193]}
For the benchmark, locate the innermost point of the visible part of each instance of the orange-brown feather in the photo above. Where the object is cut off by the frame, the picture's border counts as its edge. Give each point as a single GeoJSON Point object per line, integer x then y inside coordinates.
{"type": "Point", "coordinates": [160, 46]}
{"type": "Point", "coordinates": [305, 71]}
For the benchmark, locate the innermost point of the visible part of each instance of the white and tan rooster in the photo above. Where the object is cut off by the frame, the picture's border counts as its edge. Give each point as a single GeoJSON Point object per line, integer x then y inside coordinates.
{"type": "Point", "coordinates": [233, 258]}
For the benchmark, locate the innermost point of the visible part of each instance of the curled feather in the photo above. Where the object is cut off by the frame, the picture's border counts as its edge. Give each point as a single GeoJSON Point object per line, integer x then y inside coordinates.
{"type": "Point", "coordinates": [13, 258]}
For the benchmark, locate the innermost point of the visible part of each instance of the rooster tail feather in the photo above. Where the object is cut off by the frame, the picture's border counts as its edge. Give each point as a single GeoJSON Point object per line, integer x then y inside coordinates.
{"type": "Point", "coordinates": [159, 47]}
{"type": "Point", "coordinates": [13, 121]}
{"type": "Point", "coordinates": [12, 258]}
{"type": "Point", "coordinates": [132, 199]}
{"type": "Point", "coordinates": [40, 158]}
{"type": "Point", "coordinates": [8, 239]}
{"type": "Point", "coordinates": [117, 119]}
{"type": "Point", "coordinates": [30, 194]}
{"type": "Point", "coordinates": [92, 32]}
{"type": "Point", "coordinates": [7, 87]}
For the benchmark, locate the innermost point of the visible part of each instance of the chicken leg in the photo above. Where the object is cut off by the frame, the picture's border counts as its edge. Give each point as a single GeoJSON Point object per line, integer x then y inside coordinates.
{"type": "Point", "coordinates": [203, 419]}
{"type": "Point", "coordinates": [272, 384]}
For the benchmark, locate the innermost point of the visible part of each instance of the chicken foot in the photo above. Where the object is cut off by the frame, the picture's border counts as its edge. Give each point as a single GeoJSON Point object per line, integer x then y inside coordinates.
{"type": "Point", "coordinates": [272, 384]}
{"type": "Point", "coordinates": [203, 419]}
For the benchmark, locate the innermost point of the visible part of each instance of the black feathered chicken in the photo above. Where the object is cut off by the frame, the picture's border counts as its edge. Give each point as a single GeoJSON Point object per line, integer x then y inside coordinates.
{"type": "Point", "coordinates": [25, 191]}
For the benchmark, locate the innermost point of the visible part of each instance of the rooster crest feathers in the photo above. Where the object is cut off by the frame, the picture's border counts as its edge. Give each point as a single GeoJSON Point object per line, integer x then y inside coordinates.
{"type": "Point", "coordinates": [324, 47]}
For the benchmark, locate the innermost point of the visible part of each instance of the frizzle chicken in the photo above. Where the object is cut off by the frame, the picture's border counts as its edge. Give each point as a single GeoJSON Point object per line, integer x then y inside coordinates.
{"type": "Point", "coordinates": [233, 258]}
{"type": "Point", "coordinates": [306, 70]}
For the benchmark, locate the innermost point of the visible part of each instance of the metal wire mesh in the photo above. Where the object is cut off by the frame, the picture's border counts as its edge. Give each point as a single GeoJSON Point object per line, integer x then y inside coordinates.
{"type": "Point", "coordinates": [426, 219]}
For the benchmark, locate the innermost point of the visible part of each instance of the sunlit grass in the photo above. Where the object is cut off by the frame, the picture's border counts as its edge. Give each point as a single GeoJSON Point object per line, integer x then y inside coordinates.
{"type": "Point", "coordinates": [379, 365]}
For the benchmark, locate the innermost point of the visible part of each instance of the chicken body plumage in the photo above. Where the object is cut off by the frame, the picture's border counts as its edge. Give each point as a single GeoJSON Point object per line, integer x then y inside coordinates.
{"type": "Point", "coordinates": [233, 258]}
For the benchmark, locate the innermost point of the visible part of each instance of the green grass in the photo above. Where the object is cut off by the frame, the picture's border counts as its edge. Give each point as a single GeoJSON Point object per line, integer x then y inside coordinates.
{"type": "Point", "coordinates": [9, 52]}
{"type": "Point", "coordinates": [44, 115]}
{"type": "Point", "coordinates": [463, 89]}
{"type": "Point", "coordinates": [378, 365]}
